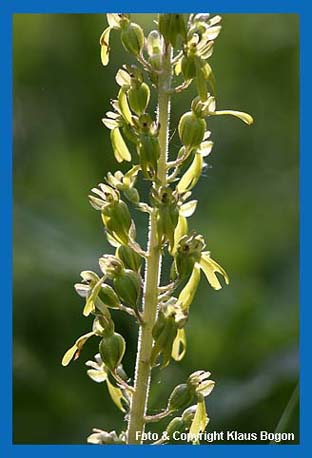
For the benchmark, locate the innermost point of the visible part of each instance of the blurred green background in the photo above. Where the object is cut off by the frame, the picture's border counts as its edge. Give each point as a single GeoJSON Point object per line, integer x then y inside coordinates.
{"type": "Point", "coordinates": [247, 333]}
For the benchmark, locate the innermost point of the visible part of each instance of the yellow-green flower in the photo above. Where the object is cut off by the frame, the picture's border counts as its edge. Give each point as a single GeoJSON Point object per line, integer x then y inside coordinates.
{"type": "Point", "coordinates": [115, 213]}
{"type": "Point", "coordinates": [99, 373]}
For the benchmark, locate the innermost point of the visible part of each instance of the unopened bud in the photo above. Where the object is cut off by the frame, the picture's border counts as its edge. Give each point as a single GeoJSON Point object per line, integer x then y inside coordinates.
{"type": "Point", "coordinates": [112, 349]}
{"type": "Point", "coordinates": [138, 98]}
{"type": "Point", "coordinates": [191, 129]}
{"type": "Point", "coordinates": [181, 397]}
{"type": "Point", "coordinates": [109, 297]}
{"type": "Point", "coordinates": [155, 49]}
{"type": "Point", "coordinates": [132, 38]}
{"type": "Point", "coordinates": [128, 287]}
{"type": "Point", "coordinates": [154, 43]}
{"type": "Point", "coordinates": [130, 258]}
{"type": "Point", "coordinates": [117, 220]}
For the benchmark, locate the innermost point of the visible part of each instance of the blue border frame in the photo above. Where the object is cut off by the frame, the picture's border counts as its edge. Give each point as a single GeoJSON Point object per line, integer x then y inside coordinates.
{"type": "Point", "coordinates": [7, 9]}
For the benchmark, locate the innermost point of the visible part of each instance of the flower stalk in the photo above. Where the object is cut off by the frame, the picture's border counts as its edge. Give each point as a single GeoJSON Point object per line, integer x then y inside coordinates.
{"type": "Point", "coordinates": [153, 269]}
{"type": "Point", "coordinates": [168, 61]}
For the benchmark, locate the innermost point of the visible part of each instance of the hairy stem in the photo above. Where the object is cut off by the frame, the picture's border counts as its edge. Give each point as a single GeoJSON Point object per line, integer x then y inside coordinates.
{"type": "Point", "coordinates": [137, 413]}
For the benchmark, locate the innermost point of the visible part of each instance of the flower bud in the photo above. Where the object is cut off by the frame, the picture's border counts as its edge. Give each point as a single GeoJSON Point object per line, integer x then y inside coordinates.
{"type": "Point", "coordinates": [112, 349]}
{"type": "Point", "coordinates": [132, 38]}
{"type": "Point", "coordinates": [130, 258]}
{"type": "Point", "coordinates": [117, 220]}
{"type": "Point", "coordinates": [162, 329]}
{"type": "Point", "coordinates": [171, 26]}
{"type": "Point", "coordinates": [138, 98]}
{"type": "Point", "coordinates": [128, 287]}
{"type": "Point", "coordinates": [109, 297]}
{"type": "Point", "coordinates": [149, 152]}
{"type": "Point", "coordinates": [181, 397]}
{"type": "Point", "coordinates": [191, 129]}
{"type": "Point", "coordinates": [155, 49]}
{"type": "Point", "coordinates": [154, 43]}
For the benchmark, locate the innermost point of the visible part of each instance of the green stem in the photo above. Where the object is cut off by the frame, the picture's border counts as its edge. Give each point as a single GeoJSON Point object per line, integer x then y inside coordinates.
{"type": "Point", "coordinates": [139, 401]}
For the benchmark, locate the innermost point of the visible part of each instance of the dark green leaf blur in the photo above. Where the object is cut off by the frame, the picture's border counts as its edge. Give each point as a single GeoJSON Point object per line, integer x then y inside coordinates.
{"type": "Point", "coordinates": [247, 333]}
